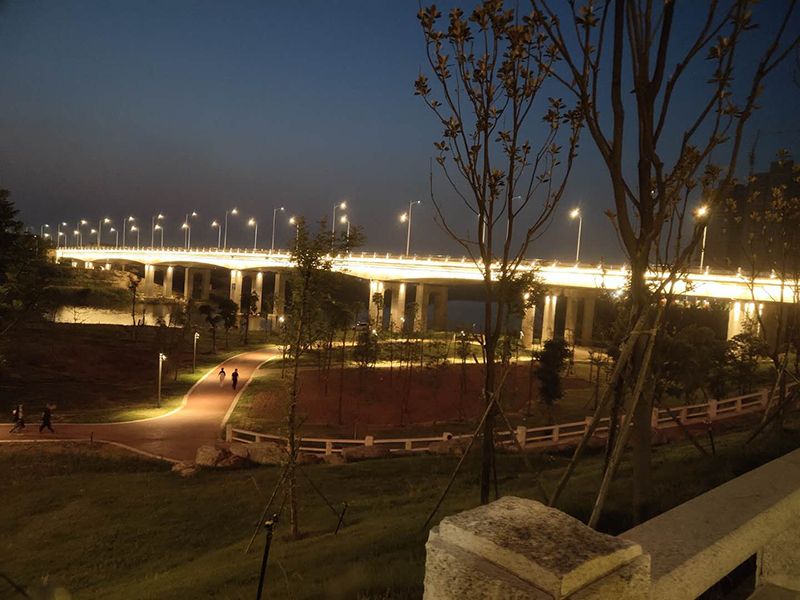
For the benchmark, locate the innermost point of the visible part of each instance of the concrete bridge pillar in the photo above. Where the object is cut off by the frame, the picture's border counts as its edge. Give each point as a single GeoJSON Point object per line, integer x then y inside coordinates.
{"type": "Point", "coordinates": [527, 327]}
{"type": "Point", "coordinates": [375, 287]}
{"type": "Point", "coordinates": [440, 308]}
{"type": "Point", "coordinates": [88, 265]}
{"type": "Point", "coordinates": [188, 283]}
{"type": "Point", "coordinates": [588, 321]}
{"type": "Point", "coordinates": [571, 323]}
{"type": "Point", "coordinates": [236, 287]}
{"type": "Point", "coordinates": [422, 297]}
{"type": "Point", "coordinates": [257, 287]}
{"type": "Point", "coordinates": [168, 282]}
{"type": "Point", "coordinates": [549, 318]}
{"type": "Point", "coordinates": [398, 305]}
{"type": "Point", "coordinates": [738, 316]}
{"type": "Point", "coordinates": [206, 285]}
{"type": "Point", "coordinates": [279, 301]}
{"type": "Point", "coordinates": [149, 281]}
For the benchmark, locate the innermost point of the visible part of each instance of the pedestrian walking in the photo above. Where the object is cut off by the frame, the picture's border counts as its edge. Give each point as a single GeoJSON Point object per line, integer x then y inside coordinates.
{"type": "Point", "coordinates": [19, 419]}
{"type": "Point", "coordinates": [221, 377]}
{"type": "Point", "coordinates": [47, 413]}
{"type": "Point", "coordinates": [235, 377]}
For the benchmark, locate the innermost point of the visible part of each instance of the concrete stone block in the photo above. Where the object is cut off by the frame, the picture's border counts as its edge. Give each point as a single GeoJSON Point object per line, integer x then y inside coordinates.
{"type": "Point", "coordinates": [365, 453]}
{"type": "Point", "coordinates": [267, 453]}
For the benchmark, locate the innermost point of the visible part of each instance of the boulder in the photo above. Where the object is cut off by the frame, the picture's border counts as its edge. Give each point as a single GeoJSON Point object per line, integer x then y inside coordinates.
{"type": "Point", "coordinates": [454, 446]}
{"type": "Point", "coordinates": [189, 472]}
{"type": "Point", "coordinates": [333, 459]}
{"type": "Point", "coordinates": [267, 453]}
{"type": "Point", "coordinates": [240, 450]}
{"type": "Point", "coordinates": [209, 456]}
{"type": "Point", "coordinates": [308, 458]}
{"type": "Point", "coordinates": [180, 466]}
{"type": "Point", "coordinates": [365, 453]}
{"type": "Point", "coordinates": [232, 462]}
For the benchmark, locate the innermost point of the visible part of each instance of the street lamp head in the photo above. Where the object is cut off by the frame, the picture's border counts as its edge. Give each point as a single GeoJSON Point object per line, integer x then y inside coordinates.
{"type": "Point", "coordinates": [185, 226]}
{"type": "Point", "coordinates": [293, 221]}
{"type": "Point", "coordinates": [576, 212]}
{"type": "Point", "coordinates": [162, 357]}
{"type": "Point", "coordinates": [343, 204]}
{"type": "Point", "coordinates": [106, 220]}
{"type": "Point", "coordinates": [63, 224]}
{"type": "Point", "coordinates": [281, 208]}
{"type": "Point", "coordinates": [234, 212]}
{"type": "Point", "coordinates": [194, 214]}
{"type": "Point", "coordinates": [160, 216]}
{"type": "Point", "coordinates": [702, 211]}
{"type": "Point", "coordinates": [112, 230]}
{"type": "Point", "coordinates": [251, 222]}
{"type": "Point", "coordinates": [404, 217]}
{"type": "Point", "coordinates": [343, 219]}
{"type": "Point", "coordinates": [76, 232]}
{"type": "Point", "coordinates": [93, 231]}
{"type": "Point", "coordinates": [83, 222]}
{"type": "Point", "coordinates": [196, 335]}
{"type": "Point", "coordinates": [214, 224]}
{"type": "Point", "coordinates": [60, 233]}
{"type": "Point", "coordinates": [134, 228]}
{"type": "Point", "coordinates": [47, 235]}
{"type": "Point", "coordinates": [131, 218]}
{"type": "Point", "coordinates": [46, 226]}
{"type": "Point", "coordinates": [157, 226]}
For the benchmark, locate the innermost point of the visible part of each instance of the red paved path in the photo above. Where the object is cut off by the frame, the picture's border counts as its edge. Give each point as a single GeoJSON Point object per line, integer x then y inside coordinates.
{"type": "Point", "coordinates": [175, 436]}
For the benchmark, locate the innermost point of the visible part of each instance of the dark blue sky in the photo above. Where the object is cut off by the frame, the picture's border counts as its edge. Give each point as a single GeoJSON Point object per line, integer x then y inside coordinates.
{"type": "Point", "coordinates": [111, 108]}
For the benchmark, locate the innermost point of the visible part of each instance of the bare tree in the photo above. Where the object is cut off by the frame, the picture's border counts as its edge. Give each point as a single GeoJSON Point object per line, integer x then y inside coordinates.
{"type": "Point", "coordinates": [489, 70]}
{"type": "Point", "coordinates": [651, 182]}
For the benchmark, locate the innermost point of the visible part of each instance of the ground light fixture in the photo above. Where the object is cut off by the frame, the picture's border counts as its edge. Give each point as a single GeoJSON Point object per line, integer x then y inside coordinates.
{"type": "Point", "coordinates": [576, 214]}
{"type": "Point", "coordinates": [161, 360]}
{"type": "Point", "coordinates": [194, 351]}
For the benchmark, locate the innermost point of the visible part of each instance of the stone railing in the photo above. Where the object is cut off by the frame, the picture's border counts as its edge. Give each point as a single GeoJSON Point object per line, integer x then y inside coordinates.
{"type": "Point", "coordinates": [517, 548]}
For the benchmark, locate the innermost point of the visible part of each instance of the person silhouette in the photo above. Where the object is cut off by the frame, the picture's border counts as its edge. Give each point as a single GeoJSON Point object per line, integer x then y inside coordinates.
{"type": "Point", "coordinates": [235, 377]}
{"type": "Point", "coordinates": [221, 377]}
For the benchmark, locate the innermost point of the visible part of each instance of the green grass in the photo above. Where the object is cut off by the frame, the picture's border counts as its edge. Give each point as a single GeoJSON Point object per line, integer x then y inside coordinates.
{"type": "Point", "coordinates": [107, 525]}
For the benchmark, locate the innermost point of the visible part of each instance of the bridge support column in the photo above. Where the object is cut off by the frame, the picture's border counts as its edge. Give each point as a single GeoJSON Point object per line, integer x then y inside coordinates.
{"type": "Point", "coordinates": [398, 307]}
{"type": "Point", "coordinates": [375, 287]}
{"type": "Point", "coordinates": [88, 265]}
{"type": "Point", "coordinates": [440, 308]}
{"type": "Point", "coordinates": [588, 321]}
{"type": "Point", "coordinates": [257, 287]}
{"type": "Point", "coordinates": [549, 318]}
{"type": "Point", "coordinates": [168, 282]}
{"type": "Point", "coordinates": [422, 297]}
{"type": "Point", "coordinates": [771, 315]}
{"type": "Point", "coordinates": [236, 287]}
{"type": "Point", "coordinates": [738, 316]}
{"type": "Point", "coordinates": [205, 290]}
{"type": "Point", "coordinates": [279, 298]}
{"type": "Point", "coordinates": [571, 323]}
{"type": "Point", "coordinates": [188, 283]}
{"type": "Point", "coordinates": [527, 327]}
{"type": "Point", "coordinates": [149, 281]}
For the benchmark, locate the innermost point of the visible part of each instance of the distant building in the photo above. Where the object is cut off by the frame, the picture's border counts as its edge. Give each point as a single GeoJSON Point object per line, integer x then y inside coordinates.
{"type": "Point", "coordinates": [727, 242]}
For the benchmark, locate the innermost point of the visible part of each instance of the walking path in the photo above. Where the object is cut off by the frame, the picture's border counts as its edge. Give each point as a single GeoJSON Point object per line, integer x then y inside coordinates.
{"type": "Point", "coordinates": [174, 436]}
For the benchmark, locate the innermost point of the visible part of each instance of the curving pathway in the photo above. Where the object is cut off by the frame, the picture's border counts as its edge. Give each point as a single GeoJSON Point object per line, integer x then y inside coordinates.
{"type": "Point", "coordinates": [174, 436]}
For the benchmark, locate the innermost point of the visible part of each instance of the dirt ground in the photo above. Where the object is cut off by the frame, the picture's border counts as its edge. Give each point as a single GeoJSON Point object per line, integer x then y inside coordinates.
{"type": "Point", "coordinates": [380, 397]}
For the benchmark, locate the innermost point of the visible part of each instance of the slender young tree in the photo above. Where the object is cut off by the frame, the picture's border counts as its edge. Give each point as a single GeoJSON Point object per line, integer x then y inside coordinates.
{"type": "Point", "coordinates": [623, 51]}
{"type": "Point", "coordinates": [489, 70]}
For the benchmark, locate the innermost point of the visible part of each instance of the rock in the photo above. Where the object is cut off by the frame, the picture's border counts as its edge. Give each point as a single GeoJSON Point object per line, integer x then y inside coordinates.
{"type": "Point", "coordinates": [333, 459]}
{"type": "Point", "coordinates": [454, 446]}
{"type": "Point", "coordinates": [209, 456]}
{"type": "Point", "coordinates": [232, 462]}
{"type": "Point", "coordinates": [240, 450]}
{"type": "Point", "coordinates": [180, 466]}
{"type": "Point", "coordinates": [365, 453]}
{"type": "Point", "coordinates": [308, 458]}
{"type": "Point", "coordinates": [267, 453]}
{"type": "Point", "coordinates": [190, 472]}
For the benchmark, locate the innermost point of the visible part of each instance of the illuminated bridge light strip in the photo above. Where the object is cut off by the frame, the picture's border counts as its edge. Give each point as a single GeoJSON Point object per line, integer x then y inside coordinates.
{"type": "Point", "coordinates": [439, 269]}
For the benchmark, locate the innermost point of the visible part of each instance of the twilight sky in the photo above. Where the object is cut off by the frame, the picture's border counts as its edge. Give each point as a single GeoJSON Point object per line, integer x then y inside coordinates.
{"type": "Point", "coordinates": [110, 108]}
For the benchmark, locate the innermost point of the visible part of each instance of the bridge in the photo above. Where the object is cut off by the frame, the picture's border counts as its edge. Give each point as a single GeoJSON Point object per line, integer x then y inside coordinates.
{"type": "Point", "coordinates": [392, 275]}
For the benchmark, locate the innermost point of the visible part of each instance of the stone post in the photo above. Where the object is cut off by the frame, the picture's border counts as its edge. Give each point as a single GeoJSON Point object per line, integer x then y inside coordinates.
{"type": "Point", "coordinates": [588, 321]}
{"type": "Point", "coordinates": [521, 549]}
{"type": "Point", "coordinates": [188, 283]}
{"type": "Point", "coordinates": [571, 323]}
{"type": "Point", "coordinates": [549, 320]}
{"type": "Point", "coordinates": [528, 321]}
{"type": "Point", "coordinates": [422, 298]}
{"type": "Point", "coordinates": [205, 289]}
{"type": "Point", "coordinates": [167, 291]}
{"type": "Point", "coordinates": [440, 308]}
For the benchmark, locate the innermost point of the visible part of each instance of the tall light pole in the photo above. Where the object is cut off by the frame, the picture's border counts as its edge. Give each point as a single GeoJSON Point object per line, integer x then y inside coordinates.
{"type": "Point", "coordinates": [93, 231]}
{"type": "Point", "coordinates": [42, 228]}
{"type": "Point", "coordinates": [188, 229]}
{"type": "Point", "coordinates": [78, 240]}
{"type": "Point", "coordinates": [100, 229]}
{"type": "Point", "coordinates": [344, 219]}
{"type": "Point", "coordinates": [125, 223]}
{"type": "Point", "coordinates": [341, 205]}
{"type": "Point", "coordinates": [406, 217]}
{"type": "Point", "coordinates": [158, 227]}
{"type": "Point", "coordinates": [80, 224]}
{"type": "Point", "coordinates": [576, 214]}
{"type": "Point", "coordinates": [296, 222]}
{"type": "Point", "coordinates": [136, 229]}
{"type": "Point", "coordinates": [116, 236]}
{"type": "Point", "coordinates": [153, 228]}
{"type": "Point", "coordinates": [161, 359]}
{"type": "Point", "coordinates": [219, 234]}
{"type": "Point", "coordinates": [702, 212]}
{"type": "Point", "coordinates": [254, 223]}
{"type": "Point", "coordinates": [274, 212]}
{"type": "Point", "coordinates": [225, 234]}
{"type": "Point", "coordinates": [194, 351]}
{"type": "Point", "coordinates": [60, 233]}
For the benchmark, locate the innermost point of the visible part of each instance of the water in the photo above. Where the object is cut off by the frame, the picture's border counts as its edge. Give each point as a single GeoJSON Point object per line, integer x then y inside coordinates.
{"type": "Point", "coordinates": [112, 316]}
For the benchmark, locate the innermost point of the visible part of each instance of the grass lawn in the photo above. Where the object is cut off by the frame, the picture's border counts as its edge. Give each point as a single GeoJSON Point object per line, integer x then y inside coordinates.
{"type": "Point", "coordinates": [97, 373]}
{"type": "Point", "coordinates": [111, 525]}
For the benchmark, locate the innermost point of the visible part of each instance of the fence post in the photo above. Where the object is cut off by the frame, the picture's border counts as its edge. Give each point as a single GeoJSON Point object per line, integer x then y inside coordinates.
{"type": "Point", "coordinates": [408, 445]}
{"type": "Point", "coordinates": [764, 398]}
{"type": "Point", "coordinates": [228, 432]}
{"type": "Point", "coordinates": [368, 440]}
{"type": "Point", "coordinates": [555, 433]}
{"type": "Point", "coordinates": [522, 433]}
{"type": "Point", "coordinates": [712, 410]}
{"type": "Point", "coordinates": [328, 447]}
{"type": "Point", "coordinates": [654, 419]}
{"type": "Point", "coordinates": [738, 405]}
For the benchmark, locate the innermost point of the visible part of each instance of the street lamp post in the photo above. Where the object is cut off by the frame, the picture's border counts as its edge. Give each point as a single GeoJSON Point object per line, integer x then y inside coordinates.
{"type": "Point", "coordinates": [116, 236]}
{"type": "Point", "coordinates": [81, 223]}
{"type": "Point", "coordinates": [60, 233]}
{"type": "Point", "coordinates": [225, 234]}
{"type": "Point", "coordinates": [153, 228]}
{"type": "Point", "coordinates": [136, 229]}
{"type": "Point", "coordinates": [296, 222]}
{"type": "Point", "coordinates": [219, 234]}
{"type": "Point", "coordinates": [274, 212]}
{"type": "Point", "coordinates": [406, 217]}
{"type": "Point", "coordinates": [130, 219]}
{"type": "Point", "coordinates": [100, 229]}
{"type": "Point", "coordinates": [254, 223]}
{"type": "Point", "coordinates": [78, 240]}
{"type": "Point", "coordinates": [194, 351]}
{"type": "Point", "coordinates": [576, 213]}
{"type": "Point", "coordinates": [158, 227]}
{"type": "Point", "coordinates": [188, 229]}
{"type": "Point", "coordinates": [344, 219]}
{"type": "Point", "coordinates": [341, 205]}
{"type": "Point", "coordinates": [702, 212]}
{"type": "Point", "coordinates": [42, 228]}
{"type": "Point", "coordinates": [161, 359]}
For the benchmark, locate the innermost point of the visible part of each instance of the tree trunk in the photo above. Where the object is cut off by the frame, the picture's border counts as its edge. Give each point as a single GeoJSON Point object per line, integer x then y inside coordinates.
{"type": "Point", "coordinates": [341, 375]}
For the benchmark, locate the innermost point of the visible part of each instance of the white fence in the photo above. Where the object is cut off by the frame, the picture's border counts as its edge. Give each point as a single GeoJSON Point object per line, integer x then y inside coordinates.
{"type": "Point", "coordinates": [539, 437]}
